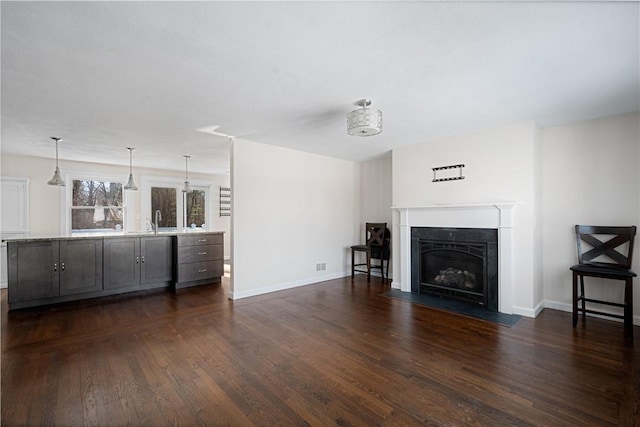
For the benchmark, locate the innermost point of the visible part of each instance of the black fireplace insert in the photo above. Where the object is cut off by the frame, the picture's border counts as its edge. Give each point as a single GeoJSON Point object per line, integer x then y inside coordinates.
{"type": "Point", "coordinates": [459, 263]}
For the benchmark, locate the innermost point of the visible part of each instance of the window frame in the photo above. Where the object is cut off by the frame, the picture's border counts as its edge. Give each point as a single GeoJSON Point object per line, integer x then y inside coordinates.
{"type": "Point", "coordinates": [66, 204]}
{"type": "Point", "coordinates": [148, 181]}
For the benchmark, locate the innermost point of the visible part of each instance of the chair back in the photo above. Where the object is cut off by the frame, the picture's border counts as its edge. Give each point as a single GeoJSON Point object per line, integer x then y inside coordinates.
{"type": "Point", "coordinates": [379, 238]}
{"type": "Point", "coordinates": [375, 233]}
{"type": "Point", "coordinates": [621, 237]}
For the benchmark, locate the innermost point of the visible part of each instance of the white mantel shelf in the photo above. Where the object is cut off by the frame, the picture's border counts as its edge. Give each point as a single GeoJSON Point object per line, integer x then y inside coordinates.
{"type": "Point", "coordinates": [497, 205]}
{"type": "Point", "coordinates": [496, 215]}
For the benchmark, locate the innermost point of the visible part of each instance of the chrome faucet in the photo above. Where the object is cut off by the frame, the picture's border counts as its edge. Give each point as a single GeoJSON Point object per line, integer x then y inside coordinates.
{"type": "Point", "coordinates": [155, 225]}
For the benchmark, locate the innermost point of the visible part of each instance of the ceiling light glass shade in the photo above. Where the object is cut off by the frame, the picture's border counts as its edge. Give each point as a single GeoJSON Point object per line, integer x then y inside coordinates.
{"type": "Point", "coordinates": [364, 122]}
{"type": "Point", "coordinates": [130, 184]}
{"type": "Point", "coordinates": [56, 179]}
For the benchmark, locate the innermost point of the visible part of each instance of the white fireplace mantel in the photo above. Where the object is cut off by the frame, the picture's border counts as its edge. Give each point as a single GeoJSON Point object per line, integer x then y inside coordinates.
{"type": "Point", "coordinates": [496, 215]}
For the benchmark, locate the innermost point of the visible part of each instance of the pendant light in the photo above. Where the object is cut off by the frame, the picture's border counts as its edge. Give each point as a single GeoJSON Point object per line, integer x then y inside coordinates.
{"type": "Point", "coordinates": [187, 186]}
{"type": "Point", "coordinates": [364, 122]}
{"type": "Point", "coordinates": [130, 184]}
{"type": "Point", "coordinates": [56, 180]}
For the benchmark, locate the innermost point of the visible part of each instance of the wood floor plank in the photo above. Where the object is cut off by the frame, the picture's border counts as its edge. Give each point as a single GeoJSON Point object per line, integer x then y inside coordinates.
{"type": "Point", "coordinates": [333, 353]}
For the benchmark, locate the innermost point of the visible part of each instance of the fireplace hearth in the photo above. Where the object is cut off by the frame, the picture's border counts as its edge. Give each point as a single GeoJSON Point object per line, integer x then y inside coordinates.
{"type": "Point", "coordinates": [459, 263]}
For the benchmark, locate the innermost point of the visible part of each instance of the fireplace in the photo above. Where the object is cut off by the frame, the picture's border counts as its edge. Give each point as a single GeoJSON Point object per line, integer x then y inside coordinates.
{"type": "Point", "coordinates": [492, 215]}
{"type": "Point", "coordinates": [459, 263]}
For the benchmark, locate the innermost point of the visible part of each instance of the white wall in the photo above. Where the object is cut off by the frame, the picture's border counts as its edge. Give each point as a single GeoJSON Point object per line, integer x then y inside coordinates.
{"type": "Point", "coordinates": [500, 165]}
{"type": "Point", "coordinates": [45, 201]}
{"type": "Point", "coordinates": [291, 211]}
{"type": "Point", "coordinates": [590, 176]}
{"type": "Point", "coordinates": [376, 190]}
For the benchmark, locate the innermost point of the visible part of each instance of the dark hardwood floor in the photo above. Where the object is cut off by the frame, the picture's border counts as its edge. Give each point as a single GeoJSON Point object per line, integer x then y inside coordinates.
{"type": "Point", "coordinates": [334, 353]}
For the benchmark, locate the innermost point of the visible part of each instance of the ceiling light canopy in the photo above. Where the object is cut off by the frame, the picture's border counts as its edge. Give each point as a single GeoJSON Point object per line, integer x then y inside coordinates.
{"type": "Point", "coordinates": [187, 186]}
{"type": "Point", "coordinates": [364, 122]}
{"type": "Point", "coordinates": [57, 179]}
{"type": "Point", "coordinates": [130, 184]}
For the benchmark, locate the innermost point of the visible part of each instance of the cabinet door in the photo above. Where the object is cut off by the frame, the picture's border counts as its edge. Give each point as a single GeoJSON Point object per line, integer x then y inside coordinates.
{"type": "Point", "coordinates": [80, 266]}
{"type": "Point", "coordinates": [121, 262]}
{"type": "Point", "coordinates": [156, 255]}
{"type": "Point", "coordinates": [33, 270]}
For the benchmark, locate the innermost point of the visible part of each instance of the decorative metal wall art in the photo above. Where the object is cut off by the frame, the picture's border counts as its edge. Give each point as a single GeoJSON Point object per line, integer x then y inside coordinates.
{"type": "Point", "coordinates": [447, 173]}
{"type": "Point", "coordinates": [225, 201]}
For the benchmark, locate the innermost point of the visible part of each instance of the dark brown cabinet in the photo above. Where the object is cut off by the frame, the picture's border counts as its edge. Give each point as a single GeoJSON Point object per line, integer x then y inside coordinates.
{"type": "Point", "coordinates": [80, 266]}
{"type": "Point", "coordinates": [199, 259]}
{"type": "Point", "coordinates": [33, 270]}
{"type": "Point", "coordinates": [121, 262]}
{"type": "Point", "coordinates": [137, 261]}
{"type": "Point", "coordinates": [156, 259]}
{"type": "Point", "coordinates": [46, 269]}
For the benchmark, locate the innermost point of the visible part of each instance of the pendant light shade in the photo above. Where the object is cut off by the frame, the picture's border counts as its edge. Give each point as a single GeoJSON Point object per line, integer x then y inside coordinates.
{"type": "Point", "coordinates": [187, 186]}
{"type": "Point", "coordinates": [364, 122]}
{"type": "Point", "coordinates": [57, 179]}
{"type": "Point", "coordinates": [130, 184]}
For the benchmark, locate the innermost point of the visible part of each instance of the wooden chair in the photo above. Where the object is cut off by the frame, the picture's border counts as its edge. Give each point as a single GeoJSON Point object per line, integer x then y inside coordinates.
{"type": "Point", "coordinates": [611, 264]}
{"type": "Point", "coordinates": [377, 247]}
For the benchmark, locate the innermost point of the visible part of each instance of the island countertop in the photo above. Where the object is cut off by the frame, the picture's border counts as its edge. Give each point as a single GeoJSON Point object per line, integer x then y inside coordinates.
{"type": "Point", "coordinates": [33, 237]}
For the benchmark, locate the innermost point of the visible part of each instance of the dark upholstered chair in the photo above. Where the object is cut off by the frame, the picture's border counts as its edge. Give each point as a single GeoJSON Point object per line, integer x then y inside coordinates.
{"type": "Point", "coordinates": [598, 258]}
{"type": "Point", "coordinates": [377, 246]}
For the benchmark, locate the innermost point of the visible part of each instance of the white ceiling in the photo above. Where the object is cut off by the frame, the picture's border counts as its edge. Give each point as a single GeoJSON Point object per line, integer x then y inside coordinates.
{"type": "Point", "coordinates": [110, 75]}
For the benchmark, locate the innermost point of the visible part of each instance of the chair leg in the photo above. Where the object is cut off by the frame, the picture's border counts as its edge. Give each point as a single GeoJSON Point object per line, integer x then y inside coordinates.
{"type": "Point", "coordinates": [628, 308]}
{"type": "Point", "coordinates": [387, 273]}
{"type": "Point", "coordinates": [368, 267]}
{"type": "Point", "coordinates": [353, 263]}
{"type": "Point", "coordinates": [584, 303]}
{"type": "Point", "coordinates": [575, 299]}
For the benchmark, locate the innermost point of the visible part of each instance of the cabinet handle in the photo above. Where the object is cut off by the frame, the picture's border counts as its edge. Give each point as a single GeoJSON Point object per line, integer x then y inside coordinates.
{"type": "Point", "coordinates": [202, 271]}
{"type": "Point", "coordinates": [202, 240]}
{"type": "Point", "coordinates": [55, 267]}
{"type": "Point", "coordinates": [62, 266]}
{"type": "Point", "coordinates": [137, 260]}
{"type": "Point", "coordinates": [202, 253]}
{"type": "Point", "coordinates": [143, 260]}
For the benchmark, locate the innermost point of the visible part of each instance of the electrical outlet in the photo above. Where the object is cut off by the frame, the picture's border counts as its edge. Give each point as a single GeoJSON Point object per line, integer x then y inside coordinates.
{"type": "Point", "coordinates": [321, 266]}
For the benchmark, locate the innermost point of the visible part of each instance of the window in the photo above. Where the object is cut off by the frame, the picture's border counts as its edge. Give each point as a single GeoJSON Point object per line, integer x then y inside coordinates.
{"type": "Point", "coordinates": [178, 210]}
{"type": "Point", "coordinates": [164, 199]}
{"type": "Point", "coordinates": [96, 205]}
{"type": "Point", "coordinates": [196, 202]}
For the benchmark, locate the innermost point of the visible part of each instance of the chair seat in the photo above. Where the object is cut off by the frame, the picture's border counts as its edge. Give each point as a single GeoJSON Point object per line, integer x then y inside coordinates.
{"type": "Point", "coordinates": [602, 268]}
{"type": "Point", "coordinates": [361, 247]}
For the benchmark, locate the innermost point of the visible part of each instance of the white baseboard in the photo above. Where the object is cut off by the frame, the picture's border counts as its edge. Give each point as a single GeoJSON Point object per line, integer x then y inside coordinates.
{"type": "Point", "coordinates": [528, 312]}
{"type": "Point", "coordinates": [563, 306]}
{"type": "Point", "coordinates": [287, 285]}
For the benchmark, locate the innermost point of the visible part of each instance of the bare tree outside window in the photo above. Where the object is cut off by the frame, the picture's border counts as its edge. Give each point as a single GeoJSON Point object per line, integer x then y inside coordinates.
{"type": "Point", "coordinates": [196, 202]}
{"type": "Point", "coordinates": [164, 200]}
{"type": "Point", "coordinates": [96, 205]}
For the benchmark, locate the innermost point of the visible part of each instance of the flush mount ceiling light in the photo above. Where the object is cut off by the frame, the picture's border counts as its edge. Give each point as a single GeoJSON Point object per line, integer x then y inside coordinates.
{"type": "Point", "coordinates": [364, 122]}
{"type": "Point", "coordinates": [187, 186]}
{"type": "Point", "coordinates": [130, 184]}
{"type": "Point", "coordinates": [56, 180]}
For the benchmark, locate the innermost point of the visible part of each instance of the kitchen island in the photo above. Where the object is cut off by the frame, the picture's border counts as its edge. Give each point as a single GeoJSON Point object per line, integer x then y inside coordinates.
{"type": "Point", "coordinates": [46, 270]}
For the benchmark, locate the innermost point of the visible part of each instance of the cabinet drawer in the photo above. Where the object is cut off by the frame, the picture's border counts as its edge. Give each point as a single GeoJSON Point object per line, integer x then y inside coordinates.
{"type": "Point", "coordinates": [200, 270]}
{"type": "Point", "coordinates": [199, 253]}
{"type": "Point", "coordinates": [200, 239]}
